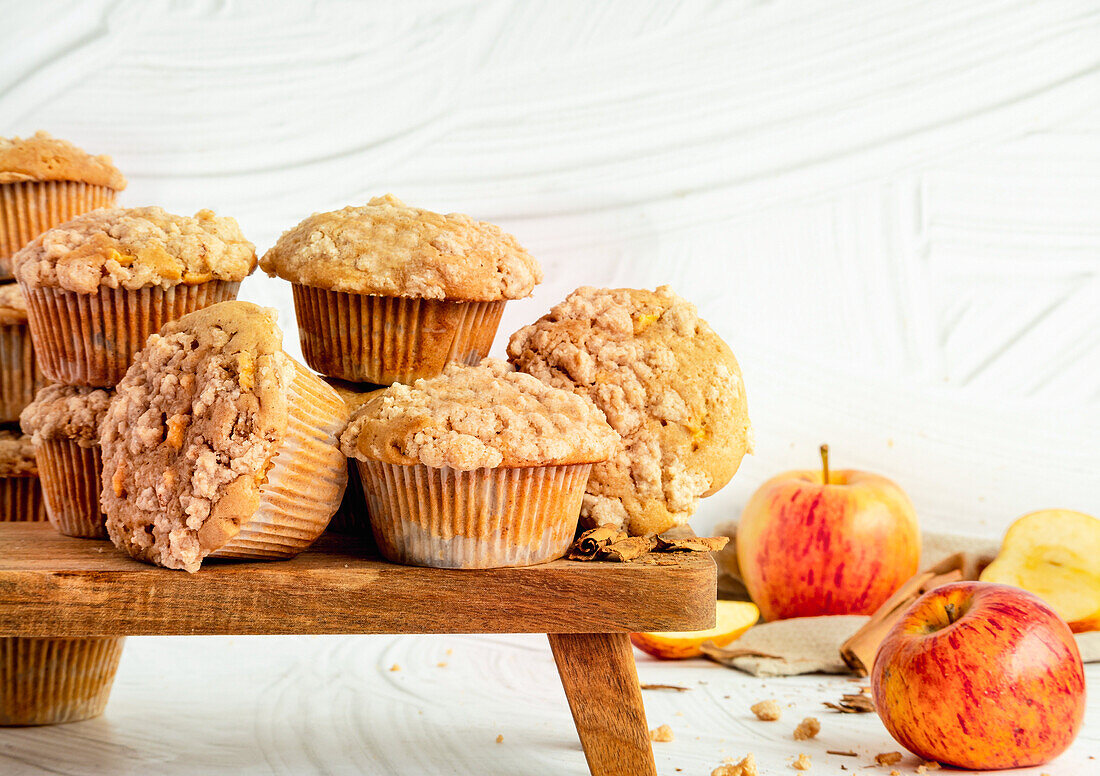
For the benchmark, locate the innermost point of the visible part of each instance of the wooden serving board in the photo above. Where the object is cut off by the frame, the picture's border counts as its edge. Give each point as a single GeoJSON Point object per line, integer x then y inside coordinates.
{"type": "Point", "coordinates": [52, 585]}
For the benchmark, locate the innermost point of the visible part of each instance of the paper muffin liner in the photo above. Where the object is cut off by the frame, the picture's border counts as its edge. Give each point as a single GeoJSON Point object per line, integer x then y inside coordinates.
{"type": "Point", "coordinates": [306, 480]}
{"type": "Point", "coordinates": [352, 516]}
{"type": "Point", "coordinates": [90, 339]}
{"type": "Point", "coordinates": [21, 499]}
{"type": "Point", "coordinates": [71, 478]}
{"type": "Point", "coordinates": [388, 339]}
{"type": "Point", "coordinates": [44, 681]}
{"type": "Point", "coordinates": [20, 377]}
{"type": "Point", "coordinates": [29, 208]}
{"type": "Point", "coordinates": [486, 518]}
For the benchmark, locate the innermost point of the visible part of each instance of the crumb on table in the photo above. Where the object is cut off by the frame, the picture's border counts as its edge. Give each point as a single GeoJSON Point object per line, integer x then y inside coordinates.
{"type": "Point", "coordinates": [888, 758]}
{"type": "Point", "coordinates": [500, 738]}
{"type": "Point", "coordinates": [662, 734]}
{"type": "Point", "coordinates": [744, 767]}
{"type": "Point", "coordinates": [767, 711]}
{"type": "Point", "coordinates": [801, 763]}
{"type": "Point", "coordinates": [807, 728]}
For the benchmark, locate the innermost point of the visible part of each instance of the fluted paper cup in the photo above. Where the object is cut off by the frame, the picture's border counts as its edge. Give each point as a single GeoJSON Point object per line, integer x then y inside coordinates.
{"type": "Point", "coordinates": [306, 480]}
{"type": "Point", "coordinates": [29, 208]}
{"type": "Point", "coordinates": [50, 680]}
{"type": "Point", "coordinates": [21, 499]}
{"type": "Point", "coordinates": [90, 339]}
{"type": "Point", "coordinates": [486, 518]}
{"type": "Point", "coordinates": [20, 377]}
{"type": "Point", "coordinates": [71, 478]}
{"type": "Point", "coordinates": [388, 339]}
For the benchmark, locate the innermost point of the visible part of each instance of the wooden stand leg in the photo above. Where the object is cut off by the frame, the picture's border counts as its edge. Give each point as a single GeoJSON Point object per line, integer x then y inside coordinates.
{"type": "Point", "coordinates": [601, 683]}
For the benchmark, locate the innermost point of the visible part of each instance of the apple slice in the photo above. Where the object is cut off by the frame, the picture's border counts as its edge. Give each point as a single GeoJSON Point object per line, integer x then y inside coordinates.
{"type": "Point", "coordinates": [732, 619]}
{"type": "Point", "coordinates": [1054, 554]}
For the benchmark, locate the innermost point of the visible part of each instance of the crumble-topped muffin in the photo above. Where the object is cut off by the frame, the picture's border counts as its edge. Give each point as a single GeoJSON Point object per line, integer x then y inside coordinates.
{"type": "Point", "coordinates": [44, 182]}
{"type": "Point", "coordinates": [13, 305]}
{"type": "Point", "coordinates": [97, 286]}
{"type": "Point", "coordinates": [68, 412]}
{"type": "Point", "coordinates": [666, 382]}
{"type": "Point", "coordinates": [136, 248]}
{"type": "Point", "coordinates": [212, 440]}
{"type": "Point", "coordinates": [42, 157]}
{"type": "Point", "coordinates": [388, 248]}
{"type": "Point", "coordinates": [389, 293]}
{"type": "Point", "coordinates": [479, 417]}
{"type": "Point", "coordinates": [478, 467]}
{"type": "Point", "coordinates": [64, 423]}
{"type": "Point", "coordinates": [20, 493]}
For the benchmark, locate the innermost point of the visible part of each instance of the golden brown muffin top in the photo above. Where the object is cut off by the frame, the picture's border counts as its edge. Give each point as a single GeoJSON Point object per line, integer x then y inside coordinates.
{"type": "Point", "coordinates": [66, 412]}
{"type": "Point", "coordinates": [387, 248]}
{"type": "Point", "coordinates": [191, 432]}
{"type": "Point", "coordinates": [135, 248]}
{"type": "Point", "coordinates": [666, 382]}
{"type": "Point", "coordinates": [13, 305]}
{"type": "Point", "coordinates": [473, 417]}
{"type": "Point", "coordinates": [41, 157]}
{"type": "Point", "coordinates": [16, 454]}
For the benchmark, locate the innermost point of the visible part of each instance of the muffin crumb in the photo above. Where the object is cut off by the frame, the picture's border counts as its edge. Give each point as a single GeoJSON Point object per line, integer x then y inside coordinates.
{"type": "Point", "coordinates": [807, 729]}
{"type": "Point", "coordinates": [801, 763]}
{"type": "Point", "coordinates": [768, 711]}
{"type": "Point", "coordinates": [662, 734]}
{"type": "Point", "coordinates": [744, 767]}
{"type": "Point", "coordinates": [888, 758]}
{"type": "Point", "coordinates": [500, 738]}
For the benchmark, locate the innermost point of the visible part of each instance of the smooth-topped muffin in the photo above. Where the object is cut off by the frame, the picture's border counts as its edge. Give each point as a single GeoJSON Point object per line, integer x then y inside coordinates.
{"type": "Point", "coordinates": [45, 181]}
{"type": "Point", "coordinates": [390, 293]}
{"type": "Point", "coordinates": [20, 377]}
{"type": "Point", "coordinates": [666, 382]}
{"type": "Point", "coordinates": [219, 443]}
{"type": "Point", "coordinates": [64, 423]}
{"type": "Point", "coordinates": [478, 467]}
{"type": "Point", "coordinates": [20, 493]}
{"type": "Point", "coordinates": [98, 285]}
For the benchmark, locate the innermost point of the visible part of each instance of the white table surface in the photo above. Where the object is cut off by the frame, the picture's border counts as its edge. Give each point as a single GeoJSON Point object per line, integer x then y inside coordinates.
{"type": "Point", "coordinates": [330, 705]}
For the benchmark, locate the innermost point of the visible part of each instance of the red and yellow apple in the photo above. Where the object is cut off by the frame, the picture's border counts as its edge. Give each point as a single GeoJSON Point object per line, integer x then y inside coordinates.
{"type": "Point", "coordinates": [812, 543]}
{"type": "Point", "coordinates": [732, 618]}
{"type": "Point", "coordinates": [983, 676]}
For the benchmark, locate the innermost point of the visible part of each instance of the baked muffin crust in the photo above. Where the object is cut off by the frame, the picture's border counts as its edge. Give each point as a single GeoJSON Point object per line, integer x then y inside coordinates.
{"type": "Point", "coordinates": [41, 157]}
{"type": "Point", "coordinates": [667, 384]}
{"type": "Point", "coordinates": [66, 412]}
{"type": "Point", "coordinates": [387, 248]}
{"type": "Point", "coordinates": [473, 417]}
{"type": "Point", "coordinates": [191, 432]}
{"type": "Point", "coordinates": [135, 248]}
{"type": "Point", "coordinates": [13, 305]}
{"type": "Point", "coordinates": [16, 454]}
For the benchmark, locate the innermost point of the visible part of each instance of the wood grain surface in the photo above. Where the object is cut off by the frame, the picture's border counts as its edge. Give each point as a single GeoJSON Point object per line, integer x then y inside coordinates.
{"type": "Point", "coordinates": [601, 683]}
{"type": "Point", "coordinates": [53, 585]}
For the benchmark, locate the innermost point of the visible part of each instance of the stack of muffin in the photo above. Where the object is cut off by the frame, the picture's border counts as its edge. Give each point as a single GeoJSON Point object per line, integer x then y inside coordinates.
{"type": "Point", "coordinates": [93, 282]}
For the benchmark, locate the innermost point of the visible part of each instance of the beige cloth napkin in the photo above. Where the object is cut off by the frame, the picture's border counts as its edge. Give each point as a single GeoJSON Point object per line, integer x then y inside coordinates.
{"type": "Point", "coordinates": [808, 645]}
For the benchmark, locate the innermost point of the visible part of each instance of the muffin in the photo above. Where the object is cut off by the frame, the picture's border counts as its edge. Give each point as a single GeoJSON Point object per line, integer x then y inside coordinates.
{"type": "Point", "coordinates": [217, 443]}
{"type": "Point", "coordinates": [20, 377]}
{"type": "Point", "coordinates": [63, 422]}
{"type": "Point", "coordinates": [97, 286]}
{"type": "Point", "coordinates": [352, 516]}
{"type": "Point", "coordinates": [667, 384]}
{"type": "Point", "coordinates": [479, 467]}
{"type": "Point", "coordinates": [45, 182]}
{"type": "Point", "coordinates": [45, 681]}
{"type": "Point", "coordinates": [390, 293]}
{"type": "Point", "coordinates": [20, 493]}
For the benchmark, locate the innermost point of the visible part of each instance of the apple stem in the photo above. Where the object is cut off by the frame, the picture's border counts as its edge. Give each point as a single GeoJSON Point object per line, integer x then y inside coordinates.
{"type": "Point", "coordinates": [825, 464]}
{"type": "Point", "coordinates": [952, 613]}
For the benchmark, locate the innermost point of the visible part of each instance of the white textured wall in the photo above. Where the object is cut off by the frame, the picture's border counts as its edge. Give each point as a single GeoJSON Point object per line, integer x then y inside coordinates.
{"type": "Point", "coordinates": [889, 210]}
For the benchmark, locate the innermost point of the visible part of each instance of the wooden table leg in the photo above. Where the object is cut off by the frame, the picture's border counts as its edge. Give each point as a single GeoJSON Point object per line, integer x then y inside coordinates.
{"type": "Point", "coordinates": [601, 683]}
